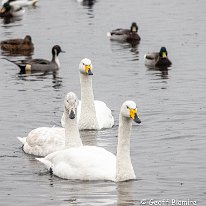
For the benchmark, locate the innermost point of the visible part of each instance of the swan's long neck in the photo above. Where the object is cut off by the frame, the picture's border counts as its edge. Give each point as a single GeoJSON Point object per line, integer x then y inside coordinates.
{"type": "Point", "coordinates": [72, 137]}
{"type": "Point", "coordinates": [124, 168]}
{"type": "Point", "coordinates": [88, 117]}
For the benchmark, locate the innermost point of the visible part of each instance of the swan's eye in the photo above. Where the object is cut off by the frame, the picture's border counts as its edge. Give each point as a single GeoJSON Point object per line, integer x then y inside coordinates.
{"type": "Point", "coordinates": [127, 107]}
{"type": "Point", "coordinates": [83, 63]}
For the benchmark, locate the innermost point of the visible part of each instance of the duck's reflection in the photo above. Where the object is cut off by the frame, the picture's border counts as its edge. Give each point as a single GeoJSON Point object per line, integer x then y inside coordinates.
{"type": "Point", "coordinates": [159, 71]}
{"type": "Point", "coordinates": [38, 76]}
{"type": "Point", "coordinates": [133, 48]}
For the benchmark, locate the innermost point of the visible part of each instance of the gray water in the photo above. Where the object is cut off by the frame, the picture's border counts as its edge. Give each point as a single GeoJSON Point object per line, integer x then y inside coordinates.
{"type": "Point", "coordinates": [168, 150]}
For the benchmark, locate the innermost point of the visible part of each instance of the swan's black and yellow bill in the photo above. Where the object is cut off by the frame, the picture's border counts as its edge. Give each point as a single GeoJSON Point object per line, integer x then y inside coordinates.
{"type": "Point", "coordinates": [133, 115]}
{"type": "Point", "coordinates": [88, 69]}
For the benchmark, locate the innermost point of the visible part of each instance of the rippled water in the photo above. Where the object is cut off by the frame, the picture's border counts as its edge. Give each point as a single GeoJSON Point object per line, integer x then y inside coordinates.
{"type": "Point", "coordinates": [168, 149]}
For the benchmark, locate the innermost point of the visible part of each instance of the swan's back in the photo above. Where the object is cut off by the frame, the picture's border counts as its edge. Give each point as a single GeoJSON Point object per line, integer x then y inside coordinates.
{"type": "Point", "coordinates": [84, 163]}
{"type": "Point", "coordinates": [44, 140]}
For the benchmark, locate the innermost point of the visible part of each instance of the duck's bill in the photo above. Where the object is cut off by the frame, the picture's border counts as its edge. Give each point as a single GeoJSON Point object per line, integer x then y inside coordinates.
{"type": "Point", "coordinates": [3, 9]}
{"type": "Point", "coordinates": [164, 55]}
{"type": "Point", "coordinates": [62, 51]}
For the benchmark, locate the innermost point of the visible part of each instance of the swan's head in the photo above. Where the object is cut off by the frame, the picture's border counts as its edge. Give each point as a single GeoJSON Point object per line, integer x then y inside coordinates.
{"type": "Point", "coordinates": [85, 67]}
{"type": "Point", "coordinates": [129, 110]}
{"type": "Point", "coordinates": [56, 50]}
{"type": "Point", "coordinates": [71, 103]}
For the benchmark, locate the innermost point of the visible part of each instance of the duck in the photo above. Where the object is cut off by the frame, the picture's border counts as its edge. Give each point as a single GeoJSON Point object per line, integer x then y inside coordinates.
{"type": "Point", "coordinates": [96, 163]}
{"type": "Point", "coordinates": [40, 65]}
{"type": "Point", "coordinates": [21, 3]}
{"type": "Point", "coordinates": [8, 11]}
{"type": "Point", "coordinates": [15, 45]}
{"type": "Point", "coordinates": [93, 114]}
{"type": "Point", "coordinates": [125, 35]}
{"type": "Point", "coordinates": [157, 59]}
{"type": "Point", "coordinates": [45, 140]}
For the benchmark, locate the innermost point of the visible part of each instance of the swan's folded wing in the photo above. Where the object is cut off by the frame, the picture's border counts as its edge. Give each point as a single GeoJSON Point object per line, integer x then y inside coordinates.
{"type": "Point", "coordinates": [45, 136]}
{"type": "Point", "coordinates": [104, 115]}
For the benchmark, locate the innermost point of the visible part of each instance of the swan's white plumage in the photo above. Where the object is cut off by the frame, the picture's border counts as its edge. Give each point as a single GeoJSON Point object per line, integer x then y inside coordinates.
{"type": "Point", "coordinates": [93, 114]}
{"type": "Point", "coordinates": [96, 163]}
{"type": "Point", "coordinates": [45, 140]}
{"type": "Point", "coordinates": [85, 163]}
{"type": "Point", "coordinates": [103, 114]}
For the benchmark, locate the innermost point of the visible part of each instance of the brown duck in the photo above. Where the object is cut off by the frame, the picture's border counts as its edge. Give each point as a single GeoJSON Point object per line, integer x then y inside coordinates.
{"type": "Point", "coordinates": [18, 45]}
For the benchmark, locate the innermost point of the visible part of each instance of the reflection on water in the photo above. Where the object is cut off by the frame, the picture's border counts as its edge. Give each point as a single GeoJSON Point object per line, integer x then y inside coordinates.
{"type": "Point", "coordinates": [38, 76]}
{"type": "Point", "coordinates": [159, 71]}
{"type": "Point", "coordinates": [125, 193]}
{"type": "Point", "coordinates": [118, 46]}
{"type": "Point", "coordinates": [11, 20]}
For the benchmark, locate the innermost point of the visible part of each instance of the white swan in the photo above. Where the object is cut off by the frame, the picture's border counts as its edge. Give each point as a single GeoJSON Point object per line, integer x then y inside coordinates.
{"type": "Point", "coordinates": [20, 3]}
{"type": "Point", "coordinates": [93, 114]}
{"type": "Point", "coordinates": [45, 140]}
{"type": "Point", "coordinates": [96, 163]}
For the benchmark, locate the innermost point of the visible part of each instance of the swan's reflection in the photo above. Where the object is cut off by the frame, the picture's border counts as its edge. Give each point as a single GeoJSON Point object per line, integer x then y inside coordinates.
{"type": "Point", "coordinates": [125, 193]}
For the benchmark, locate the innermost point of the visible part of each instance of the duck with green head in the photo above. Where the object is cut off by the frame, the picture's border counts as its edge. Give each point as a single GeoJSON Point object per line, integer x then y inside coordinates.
{"type": "Point", "coordinates": [9, 10]}
{"type": "Point", "coordinates": [158, 59]}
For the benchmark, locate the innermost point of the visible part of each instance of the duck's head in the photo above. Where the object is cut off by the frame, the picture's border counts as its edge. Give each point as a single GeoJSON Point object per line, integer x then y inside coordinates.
{"type": "Point", "coordinates": [6, 8]}
{"type": "Point", "coordinates": [85, 67]}
{"type": "Point", "coordinates": [28, 39]}
{"type": "Point", "coordinates": [134, 27]}
{"type": "Point", "coordinates": [71, 103]}
{"type": "Point", "coordinates": [129, 110]}
{"type": "Point", "coordinates": [163, 52]}
{"type": "Point", "coordinates": [56, 50]}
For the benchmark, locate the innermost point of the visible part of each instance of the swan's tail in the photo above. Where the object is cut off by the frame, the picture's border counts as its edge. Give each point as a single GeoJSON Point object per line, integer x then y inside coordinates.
{"type": "Point", "coordinates": [22, 139]}
{"type": "Point", "coordinates": [45, 162]}
{"type": "Point", "coordinates": [109, 34]}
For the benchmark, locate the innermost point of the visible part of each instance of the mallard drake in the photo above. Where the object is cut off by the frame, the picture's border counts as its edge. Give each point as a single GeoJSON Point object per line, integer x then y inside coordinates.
{"type": "Point", "coordinates": [21, 3]}
{"type": "Point", "coordinates": [9, 10]}
{"type": "Point", "coordinates": [17, 45]}
{"type": "Point", "coordinates": [40, 65]}
{"type": "Point", "coordinates": [128, 35]}
{"type": "Point", "coordinates": [157, 59]}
